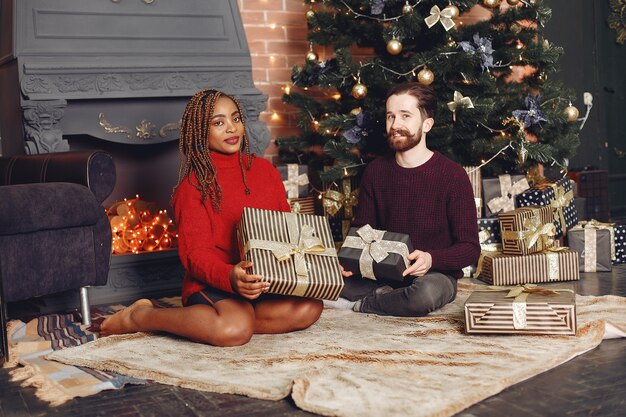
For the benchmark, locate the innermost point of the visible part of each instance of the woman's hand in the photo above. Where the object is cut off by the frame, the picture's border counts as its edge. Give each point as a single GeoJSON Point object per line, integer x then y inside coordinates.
{"type": "Point", "coordinates": [248, 285]}
{"type": "Point", "coordinates": [422, 264]}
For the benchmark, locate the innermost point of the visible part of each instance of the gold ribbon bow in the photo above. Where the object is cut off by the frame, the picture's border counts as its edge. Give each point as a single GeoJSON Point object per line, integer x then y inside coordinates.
{"type": "Point", "coordinates": [374, 248]}
{"type": "Point", "coordinates": [561, 200]}
{"type": "Point", "coordinates": [334, 200]}
{"type": "Point", "coordinates": [508, 191]}
{"type": "Point", "coordinates": [533, 231]}
{"type": "Point", "coordinates": [302, 241]}
{"type": "Point", "coordinates": [437, 15]}
{"type": "Point", "coordinates": [520, 294]}
{"type": "Point", "coordinates": [459, 102]}
{"type": "Point", "coordinates": [294, 180]}
{"type": "Point", "coordinates": [483, 236]}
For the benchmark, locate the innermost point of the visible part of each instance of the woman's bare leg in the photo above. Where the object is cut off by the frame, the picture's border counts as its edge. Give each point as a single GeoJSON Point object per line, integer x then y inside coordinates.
{"type": "Point", "coordinates": [286, 314]}
{"type": "Point", "coordinates": [226, 323]}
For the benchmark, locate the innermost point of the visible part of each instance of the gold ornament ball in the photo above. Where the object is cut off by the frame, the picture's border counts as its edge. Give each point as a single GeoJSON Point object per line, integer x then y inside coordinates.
{"type": "Point", "coordinates": [425, 76]}
{"type": "Point", "coordinates": [406, 9]}
{"type": "Point", "coordinates": [571, 113]}
{"type": "Point", "coordinates": [394, 46]}
{"type": "Point", "coordinates": [355, 111]}
{"type": "Point", "coordinates": [513, 2]}
{"type": "Point", "coordinates": [359, 91]}
{"type": "Point", "coordinates": [310, 14]}
{"type": "Point", "coordinates": [491, 4]}
{"type": "Point", "coordinates": [454, 11]}
{"type": "Point", "coordinates": [311, 56]}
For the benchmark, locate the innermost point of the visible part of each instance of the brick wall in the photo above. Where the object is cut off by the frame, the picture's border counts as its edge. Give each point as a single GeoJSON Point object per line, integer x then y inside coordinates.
{"type": "Point", "coordinates": [277, 36]}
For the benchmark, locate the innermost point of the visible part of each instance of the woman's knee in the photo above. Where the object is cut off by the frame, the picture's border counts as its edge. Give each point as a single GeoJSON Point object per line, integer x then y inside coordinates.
{"type": "Point", "coordinates": [231, 334]}
{"type": "Point", "coordinates": [306, 312]}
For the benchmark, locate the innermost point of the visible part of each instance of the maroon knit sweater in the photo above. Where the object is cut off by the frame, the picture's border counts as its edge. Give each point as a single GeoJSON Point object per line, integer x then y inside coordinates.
{"type": "Point", "coordinates": [433, 203]}
{"type": "Point", "coordinates": [207, 240]}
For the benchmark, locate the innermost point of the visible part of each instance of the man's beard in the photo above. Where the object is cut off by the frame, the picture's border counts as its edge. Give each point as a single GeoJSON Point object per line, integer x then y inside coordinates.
{"type": "Point", "coordinates": [407, 143]}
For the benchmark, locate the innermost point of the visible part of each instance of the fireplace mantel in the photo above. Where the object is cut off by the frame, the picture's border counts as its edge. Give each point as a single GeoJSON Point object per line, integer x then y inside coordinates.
{"type": "Point", "coordinates": [118, 70]}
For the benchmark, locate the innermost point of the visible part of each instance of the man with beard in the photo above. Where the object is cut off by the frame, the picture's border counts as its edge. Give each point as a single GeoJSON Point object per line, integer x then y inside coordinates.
{"type": "Point", "coordinates": [423, 194]}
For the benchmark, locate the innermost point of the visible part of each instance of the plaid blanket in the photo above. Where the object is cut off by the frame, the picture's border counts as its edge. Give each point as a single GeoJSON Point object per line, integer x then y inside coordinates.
{"type": "Point", "coordinates": [55, 382]}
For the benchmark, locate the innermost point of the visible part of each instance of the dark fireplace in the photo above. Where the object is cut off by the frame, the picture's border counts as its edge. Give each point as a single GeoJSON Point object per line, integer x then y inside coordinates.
{"type": "Point", "coordinates": [122, 89]}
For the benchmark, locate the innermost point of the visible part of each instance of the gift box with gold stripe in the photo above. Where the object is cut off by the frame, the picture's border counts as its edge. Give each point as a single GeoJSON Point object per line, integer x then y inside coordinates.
{"type": "Point", "coordinates": [527, 309]}
{"type": "Point", "coordinates": [552, 265]}
{"type": "Point", "coordinates": [295, 253]}
{"type": "Point", "coordinates": [477, 187]}
{"type": "Point", "coordinates": [303, 205]}
{"type": "Point", "coordinates": [595, 244]}
{"type": "Point", "coordinates": [559, 196]}
{"type": "Point", "coordinates": [499, 193]}
{"type": "Point", "coordinates": [527, 230]}
{"type": "Point", "coordinates": [376, 254]}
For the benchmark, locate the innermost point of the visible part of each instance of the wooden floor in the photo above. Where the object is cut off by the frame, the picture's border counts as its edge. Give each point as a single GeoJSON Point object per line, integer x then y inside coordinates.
{"type": "Point", "coordinates": [593, 384]}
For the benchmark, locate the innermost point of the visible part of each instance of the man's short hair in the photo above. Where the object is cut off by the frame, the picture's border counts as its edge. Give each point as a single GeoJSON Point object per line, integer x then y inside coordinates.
{"type": "Point", "coordinates": [426, 97]}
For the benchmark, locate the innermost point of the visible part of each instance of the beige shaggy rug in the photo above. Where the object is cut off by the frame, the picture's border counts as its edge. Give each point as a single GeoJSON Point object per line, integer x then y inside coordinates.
{"type": "Point", "coordinates": [351, 364]}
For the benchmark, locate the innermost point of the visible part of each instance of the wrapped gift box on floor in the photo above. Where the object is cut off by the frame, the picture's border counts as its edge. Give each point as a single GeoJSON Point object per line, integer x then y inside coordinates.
{"type": "Point", "coordinates": [499, 269]}
{"type": "Point", "coordinates": [489, 230]}
{"type": "Point", "coordinates": [499, 193]}
{"type": "Point", "coordinates": [521, 310]}
{"type": "Point", "coordinates": [620, 244]}
{"type": "Point", "coordinates": [477, 187]}
{"type": "Point", "coordinates": [595, 244]}
{"type": "Point", "coordinates": [295, 179]}
{"type": "Point", "coordinates": [294, 252]}
{"type": "Point", "coordinates": [304, 205]}
{"type": "Point", "coordinates": [376, 254]}
{"type": "Point", "coordinates": [555, 194]}
{"type": "Point", "coordinates": [527, 230]}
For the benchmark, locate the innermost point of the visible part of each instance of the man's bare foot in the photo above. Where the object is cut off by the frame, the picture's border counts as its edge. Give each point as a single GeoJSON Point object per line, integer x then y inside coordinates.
{"type": "Point", "coordinates": [122, 322]}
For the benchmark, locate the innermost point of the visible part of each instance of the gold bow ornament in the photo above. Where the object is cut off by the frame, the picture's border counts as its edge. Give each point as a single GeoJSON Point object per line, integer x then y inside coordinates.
{"type": "Point", "coordinates": [374, 249]}
{"type": "Point", "coordinates": [483, 236]}
{"type": "Point", "coordinates": [459, 102]}
{"type": "Point", "coordinates": [334, 200]}
{"type": "Point", "coordinates": [444, 16]}
{"type": "Point", "coordinates": [302, 241]}
{"type": "Point", "coordinates": [294, 180]}
{"type": "Point", "coordinates": [533, 231]}
{"type": "Point", "coordinates": [508, 191]}
{"type": "Point", "coordinates": [520, 294]}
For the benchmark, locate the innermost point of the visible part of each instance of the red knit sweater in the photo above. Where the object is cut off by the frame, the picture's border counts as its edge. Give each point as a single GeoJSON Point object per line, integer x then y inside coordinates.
{"type": "Point", "coordinates": [207, 240]}
{"type": "Point", "coordinates": [433, 203]}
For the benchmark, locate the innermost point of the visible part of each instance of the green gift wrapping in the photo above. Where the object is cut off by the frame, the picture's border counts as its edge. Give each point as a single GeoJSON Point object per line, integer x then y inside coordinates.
{"type": "Point", "coordinates": [555, 264]}
{"type": "Point", "coordinates": [376, 254]}
{"type": "Point", "coordinates": [295, 253]}
{"type": "Point", "coordinates": [524, 309]}
{"type": "Point", "coordinates": [527, 230]}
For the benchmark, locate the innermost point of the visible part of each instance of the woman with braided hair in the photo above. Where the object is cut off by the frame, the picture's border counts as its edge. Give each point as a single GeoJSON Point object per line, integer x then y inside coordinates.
{"type": "Point", "coordinates": [223, 304]}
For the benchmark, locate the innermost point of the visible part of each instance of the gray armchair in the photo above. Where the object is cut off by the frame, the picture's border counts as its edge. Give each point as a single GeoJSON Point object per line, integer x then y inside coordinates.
{"type": "Point", "coordinates": [54, 233]}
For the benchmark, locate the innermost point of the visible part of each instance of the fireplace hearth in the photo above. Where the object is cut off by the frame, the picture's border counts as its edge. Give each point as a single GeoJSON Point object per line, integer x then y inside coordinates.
{"type": "Point", "coordinates": [116, 76]}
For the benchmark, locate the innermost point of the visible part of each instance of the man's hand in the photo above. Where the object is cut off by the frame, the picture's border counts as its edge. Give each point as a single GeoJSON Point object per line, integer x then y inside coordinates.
{"type": "Point", "coordinates": [249, 286]}
{"type": "Point", "coordinates": [422, 264]}
{"type": "Point", "coordinates": [345, 273]}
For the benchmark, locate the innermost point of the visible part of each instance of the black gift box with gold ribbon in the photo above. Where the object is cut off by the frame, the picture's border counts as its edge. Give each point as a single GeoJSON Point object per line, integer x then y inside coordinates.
{"type": "Point", "coordinates": [558, 195]}
{"type": "Point", "coordinates": [376, 254]}
{"type": "Point", "coordinates": [295, 253]}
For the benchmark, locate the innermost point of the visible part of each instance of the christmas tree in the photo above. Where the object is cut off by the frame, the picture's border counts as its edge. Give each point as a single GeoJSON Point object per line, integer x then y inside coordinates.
{"type": "Point", "coordinates": [498, 105]}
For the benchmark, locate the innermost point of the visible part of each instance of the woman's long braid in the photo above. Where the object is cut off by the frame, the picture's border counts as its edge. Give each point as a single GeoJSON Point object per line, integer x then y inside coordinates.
{"type": "Point", "coordinates": [193, 146]}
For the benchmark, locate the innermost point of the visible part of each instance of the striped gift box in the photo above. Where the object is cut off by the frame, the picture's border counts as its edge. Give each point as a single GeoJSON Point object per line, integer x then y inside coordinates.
{"type": "Point", "coordinates": [477, 187]}
{"type": "Point", "coordinates": [527, 230]}
{"type": "Point", "coordinates": [303, 205]}
{"type": "Point", "coordinates": [294, 252]}
{"type": "Point", "coordinates": [499, 269]}
{"type": "Point", "coordinates": [494, 312]}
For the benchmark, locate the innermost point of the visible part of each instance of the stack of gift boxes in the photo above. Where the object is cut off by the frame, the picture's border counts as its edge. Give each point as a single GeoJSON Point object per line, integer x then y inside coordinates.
{"type": "Point", "coordinates": [522, 240]}
{"type": "Point", "coordinates": [296, 181]}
